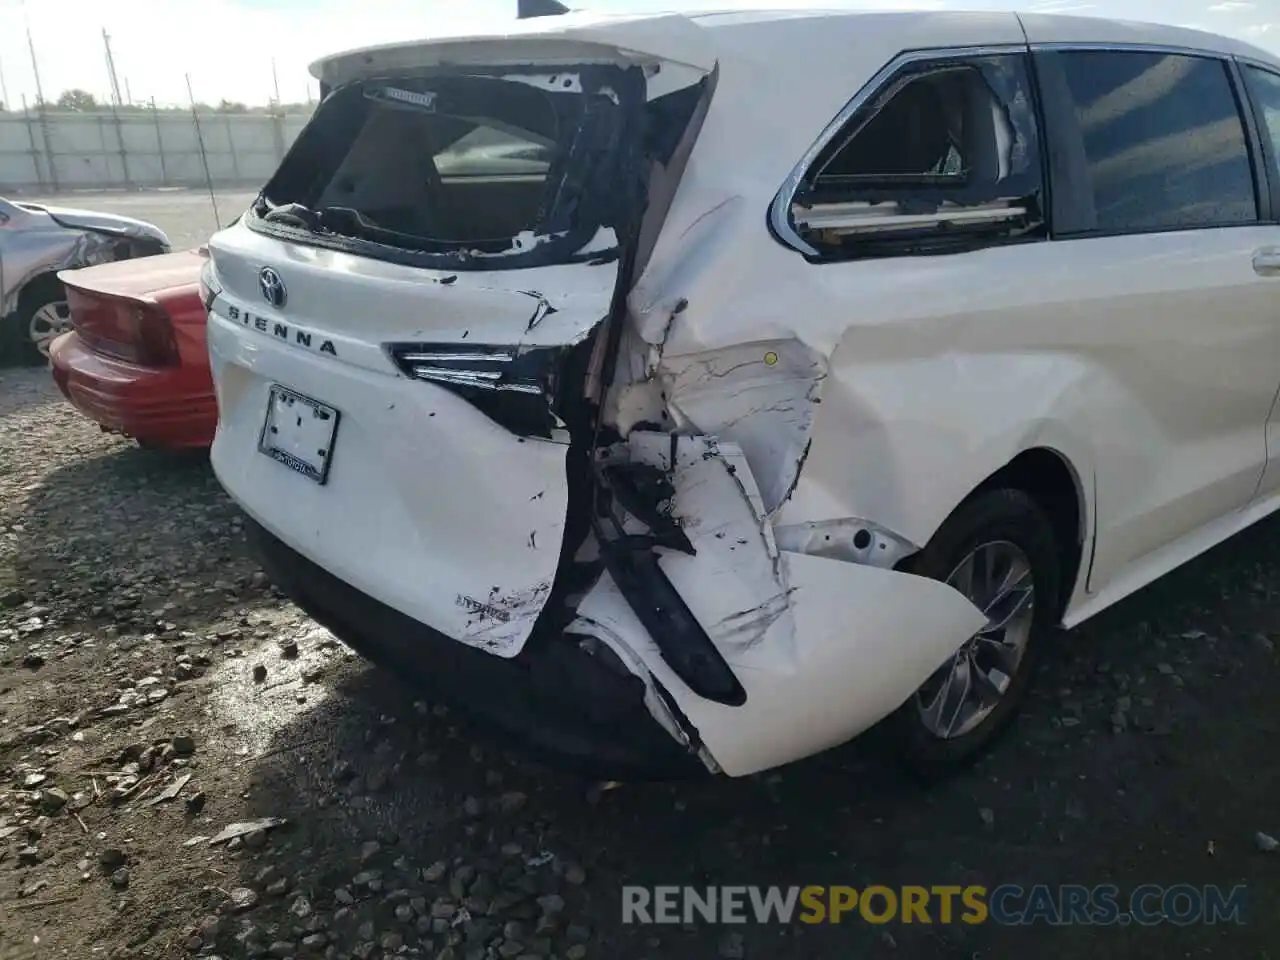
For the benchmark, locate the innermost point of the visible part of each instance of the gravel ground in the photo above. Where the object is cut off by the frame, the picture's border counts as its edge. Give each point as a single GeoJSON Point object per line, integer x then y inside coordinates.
{"type": "Point", "coordinates": [154, 691]}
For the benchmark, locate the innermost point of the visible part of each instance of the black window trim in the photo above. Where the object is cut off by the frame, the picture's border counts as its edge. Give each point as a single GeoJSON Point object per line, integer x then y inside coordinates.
{"type": "Point", "coordinates": [1055, 127]}
{"type": "Point", "coordinates": [779, 216]}
{"type": "Point", "coordinates": [1270, 159]}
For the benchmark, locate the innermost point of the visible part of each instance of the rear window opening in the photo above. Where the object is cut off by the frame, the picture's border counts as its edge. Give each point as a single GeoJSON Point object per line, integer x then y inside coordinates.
{"type": "Point", "coordinates": [464, 167]}
{"type": "Point", "coordinates": [945, 158]}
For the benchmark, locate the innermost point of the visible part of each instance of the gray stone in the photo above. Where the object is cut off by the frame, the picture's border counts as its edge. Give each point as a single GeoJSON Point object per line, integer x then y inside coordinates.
{"type": "Point", "coordinates": [732, 946]}
{"type": "Point", "coordinates": [443, 909]}
{"type": "Point", "coordinates": [53, 800]}
{"type": "Point", "coordinates": [435, 872]}
{"type": "Point", "coordinates": [552, 903]}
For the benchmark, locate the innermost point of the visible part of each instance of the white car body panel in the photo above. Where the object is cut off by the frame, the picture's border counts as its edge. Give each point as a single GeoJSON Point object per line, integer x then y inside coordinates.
{"type": "Point", "coordinates": [389, 445]}
{"type": "Point", "coordinates": [865, 639]}
{"type": "Point", "coordinates": [671, 38]}
{"type": "Point", "coordinates": [415, 432]}
{"type": "Point", "coordinates": [1144, 364]}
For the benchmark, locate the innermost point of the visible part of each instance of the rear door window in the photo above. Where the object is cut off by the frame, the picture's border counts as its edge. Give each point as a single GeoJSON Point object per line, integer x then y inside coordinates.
{"type": "Point", "coordinates": [1265, 86]}
{"type": "Point", "coordinates": [1151, 141]}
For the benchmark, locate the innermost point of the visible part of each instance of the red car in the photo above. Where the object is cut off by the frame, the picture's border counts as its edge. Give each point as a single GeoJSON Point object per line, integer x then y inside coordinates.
{"type": "Point", "coordinates": [135, 361]}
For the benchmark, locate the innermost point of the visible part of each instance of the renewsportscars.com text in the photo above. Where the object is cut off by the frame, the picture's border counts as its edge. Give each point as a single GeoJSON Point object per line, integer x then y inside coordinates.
{"type": "Point", "coordinates": [1008, 905]}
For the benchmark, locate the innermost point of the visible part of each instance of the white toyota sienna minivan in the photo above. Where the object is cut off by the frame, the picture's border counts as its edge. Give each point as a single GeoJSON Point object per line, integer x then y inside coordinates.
{"type": "Point", "coordinates": [690, 394]}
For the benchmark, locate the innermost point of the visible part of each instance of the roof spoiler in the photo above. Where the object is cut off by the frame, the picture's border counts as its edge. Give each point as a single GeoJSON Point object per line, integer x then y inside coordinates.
{"type": "Point", "coordinates": [527, 9]}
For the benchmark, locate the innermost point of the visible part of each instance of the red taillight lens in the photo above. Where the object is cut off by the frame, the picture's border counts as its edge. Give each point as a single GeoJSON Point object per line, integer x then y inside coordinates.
{"type": "Point", "coordinates": [120, 327]}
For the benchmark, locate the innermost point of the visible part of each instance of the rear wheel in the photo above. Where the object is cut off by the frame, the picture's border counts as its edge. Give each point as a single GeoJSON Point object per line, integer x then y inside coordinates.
{"type": "Point", "coordinates": [998, 549]}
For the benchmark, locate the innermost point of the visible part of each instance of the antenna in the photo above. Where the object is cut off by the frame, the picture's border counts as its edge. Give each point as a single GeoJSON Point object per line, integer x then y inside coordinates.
{"type": "Point", "coordinates": [527, 9]}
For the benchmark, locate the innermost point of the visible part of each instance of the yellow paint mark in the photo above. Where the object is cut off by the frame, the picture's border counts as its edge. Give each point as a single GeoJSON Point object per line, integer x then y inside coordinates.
{"type": "Point", "coordinates": [770, 358]}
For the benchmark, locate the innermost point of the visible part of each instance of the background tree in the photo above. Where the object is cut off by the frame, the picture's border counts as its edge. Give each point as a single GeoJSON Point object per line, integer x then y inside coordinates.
{"type": "Point", "coordinates": [77, 100]}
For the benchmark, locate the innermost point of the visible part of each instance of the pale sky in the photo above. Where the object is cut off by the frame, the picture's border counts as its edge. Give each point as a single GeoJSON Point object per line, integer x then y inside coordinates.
{"type": "Point", "coordinates": [227, 45]}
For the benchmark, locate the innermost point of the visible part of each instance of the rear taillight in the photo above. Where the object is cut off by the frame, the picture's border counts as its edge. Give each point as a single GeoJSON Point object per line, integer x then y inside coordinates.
{"type": "Point", "coordinates": [210, 289]}
{"type": "Point", "coordinates": [132, 330]}
{"type": "Point", "coordinates": [513, 386]}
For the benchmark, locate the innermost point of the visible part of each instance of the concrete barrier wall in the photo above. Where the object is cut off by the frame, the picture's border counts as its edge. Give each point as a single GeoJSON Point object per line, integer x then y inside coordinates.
{"type": "Point", "coordinates": [86, 151]}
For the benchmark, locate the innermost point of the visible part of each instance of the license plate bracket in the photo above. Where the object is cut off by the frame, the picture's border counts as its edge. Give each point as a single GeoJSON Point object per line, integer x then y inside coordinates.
{"type": "Point", "coordinates": [299, 432]}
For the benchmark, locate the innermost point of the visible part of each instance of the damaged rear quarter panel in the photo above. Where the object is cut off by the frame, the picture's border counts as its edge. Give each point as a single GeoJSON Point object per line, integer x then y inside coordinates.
{"type": "Point", "coordinates": [733, 583]}
{"type": "Point", "coordinates": [823, 648]}
{"type": "Point", "coordinates": [864, 640]}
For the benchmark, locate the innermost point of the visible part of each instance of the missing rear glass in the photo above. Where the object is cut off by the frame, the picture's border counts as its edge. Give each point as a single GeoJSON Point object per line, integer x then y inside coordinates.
{"type": "Point", "coordinates": [461, 167]}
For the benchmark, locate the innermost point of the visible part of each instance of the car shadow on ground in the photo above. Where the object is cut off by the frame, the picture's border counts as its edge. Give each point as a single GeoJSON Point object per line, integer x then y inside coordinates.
{"type": "Point", "coordinates": [1145, 755]}
{"type": "Point", "coordinates": [121, 536]}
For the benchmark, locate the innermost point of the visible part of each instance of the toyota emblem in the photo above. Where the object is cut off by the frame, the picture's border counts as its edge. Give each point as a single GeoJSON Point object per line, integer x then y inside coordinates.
{"type": "Point", "coordinates": [272, 287]}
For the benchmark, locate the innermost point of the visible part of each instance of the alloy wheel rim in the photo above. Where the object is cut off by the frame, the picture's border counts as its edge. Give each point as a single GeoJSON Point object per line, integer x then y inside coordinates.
{"type": "Point", "coordinates": [48, 323]}
{"type": "Point", "coordinates": [995, 577]}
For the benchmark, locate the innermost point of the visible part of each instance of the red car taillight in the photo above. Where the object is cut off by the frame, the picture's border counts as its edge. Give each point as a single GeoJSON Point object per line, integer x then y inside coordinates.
{"type": "Point", "coordinates": [132, 330]}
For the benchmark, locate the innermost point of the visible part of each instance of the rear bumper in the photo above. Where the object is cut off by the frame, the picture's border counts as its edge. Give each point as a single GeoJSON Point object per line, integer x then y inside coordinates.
{"type": "Point", "coordinates": [169, 407]}
{"type": "Point", "coordinates": [570, 706]}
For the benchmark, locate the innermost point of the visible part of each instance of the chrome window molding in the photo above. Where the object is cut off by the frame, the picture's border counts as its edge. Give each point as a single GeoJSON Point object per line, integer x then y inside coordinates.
{"type": "Point", "coordinates": [1259, 64]}
{"type": "Point", "coordinates": [1059, 46]}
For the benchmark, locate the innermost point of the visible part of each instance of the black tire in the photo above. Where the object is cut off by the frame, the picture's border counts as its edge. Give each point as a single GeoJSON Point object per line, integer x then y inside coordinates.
{"type": "Point", "coordinates": [997, 515]}
{"type": "Point", "coordinates": [16, 345]}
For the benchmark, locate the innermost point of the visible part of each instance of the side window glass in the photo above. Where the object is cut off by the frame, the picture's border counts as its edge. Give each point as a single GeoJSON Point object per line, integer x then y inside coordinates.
{"type": "Point", "coordinates": [1266, 91]}
{"type": "Point", "coordinates": [1163, 141]}
{"type": "Point", "coordinates": [944, 158]}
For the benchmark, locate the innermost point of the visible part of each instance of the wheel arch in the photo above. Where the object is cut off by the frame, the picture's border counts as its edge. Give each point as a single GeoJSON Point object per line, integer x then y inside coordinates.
{"type": "Point", "coordinates": [36, 286]}
{"type": "Point", "coordinates": [1055, 483]}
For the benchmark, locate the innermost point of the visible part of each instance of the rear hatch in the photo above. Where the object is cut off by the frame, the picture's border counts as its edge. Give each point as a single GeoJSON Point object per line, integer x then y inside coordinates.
{"type": "Point", "coordinates": [402, 328]}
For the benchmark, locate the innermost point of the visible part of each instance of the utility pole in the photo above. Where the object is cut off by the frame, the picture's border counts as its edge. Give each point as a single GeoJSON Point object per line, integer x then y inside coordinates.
{"type": "Point", "coordinates": [111, 70]}
{"type": "Point", "coordinates": [35, 68]}
{"type": "Point", "coordinates": [204, 156]}
{"type": "Point", "coordinates": [4, 89]}
{"type": "Point", "coordinates": [128, 94]}
{"type": "Point", "coordinates": [41, 106]}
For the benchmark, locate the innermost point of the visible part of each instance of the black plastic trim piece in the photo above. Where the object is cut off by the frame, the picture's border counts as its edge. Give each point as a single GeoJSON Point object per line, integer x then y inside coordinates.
{"type": "Point", "coordinates": [680, 638]}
